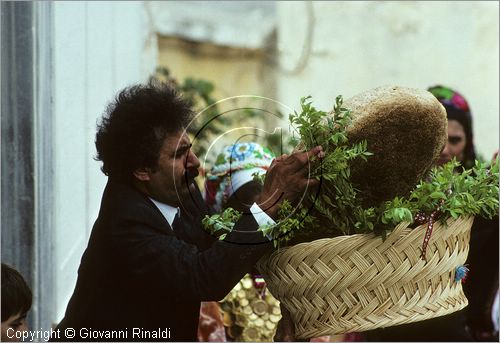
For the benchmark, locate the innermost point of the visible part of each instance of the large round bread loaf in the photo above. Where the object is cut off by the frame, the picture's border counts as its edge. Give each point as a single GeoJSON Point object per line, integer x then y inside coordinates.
{"type": "Point", "coordinates": [405, 129]}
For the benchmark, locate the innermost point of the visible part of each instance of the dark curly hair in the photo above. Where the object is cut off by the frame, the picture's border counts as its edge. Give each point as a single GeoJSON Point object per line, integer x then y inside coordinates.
{"type": "Point", "coordinates": [134, 126]}
{"type": "Point", "coordinates": [16, 294]}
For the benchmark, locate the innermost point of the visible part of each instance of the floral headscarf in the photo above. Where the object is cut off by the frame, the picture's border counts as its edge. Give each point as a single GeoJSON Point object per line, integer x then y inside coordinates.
{"type": "Point", "coordinates": [233, 168]}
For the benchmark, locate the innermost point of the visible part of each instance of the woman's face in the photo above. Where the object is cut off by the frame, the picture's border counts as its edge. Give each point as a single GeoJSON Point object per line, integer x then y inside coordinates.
{"type": "Point", "coordinates": [456, 143]}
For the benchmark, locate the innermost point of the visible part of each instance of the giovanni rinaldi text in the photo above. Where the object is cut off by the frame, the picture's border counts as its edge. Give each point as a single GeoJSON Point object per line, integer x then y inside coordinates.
{"type": "Point", "coordinates": [91, 334]}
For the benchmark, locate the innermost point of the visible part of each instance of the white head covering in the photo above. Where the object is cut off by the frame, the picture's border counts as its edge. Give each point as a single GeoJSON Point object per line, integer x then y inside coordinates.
{"type": "Point", "coordinates": [233, 168]}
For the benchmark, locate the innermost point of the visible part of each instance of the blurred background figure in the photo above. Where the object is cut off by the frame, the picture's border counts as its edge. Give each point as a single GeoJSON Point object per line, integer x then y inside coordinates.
{"type": "Point", "coordinates": [481, 287]}
{"type": "Point", "coordinates": [460, 137]}
{"type": "Point", "coordinates": [16, 302]}
{"type": "Point", "coordinates": [249, 313]}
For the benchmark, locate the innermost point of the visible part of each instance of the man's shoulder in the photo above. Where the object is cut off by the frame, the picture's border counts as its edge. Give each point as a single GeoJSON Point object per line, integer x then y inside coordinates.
{"type": "Point", "coordinates": [122, 202]}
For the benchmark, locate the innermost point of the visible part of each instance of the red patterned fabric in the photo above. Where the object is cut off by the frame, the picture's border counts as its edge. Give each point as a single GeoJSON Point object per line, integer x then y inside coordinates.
{"type": "Point", "coordinates": [211, 327]}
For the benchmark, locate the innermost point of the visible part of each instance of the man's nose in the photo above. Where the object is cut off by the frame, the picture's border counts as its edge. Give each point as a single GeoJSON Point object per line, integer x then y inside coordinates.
{"type": "Point", "coordinates": [192, 160]}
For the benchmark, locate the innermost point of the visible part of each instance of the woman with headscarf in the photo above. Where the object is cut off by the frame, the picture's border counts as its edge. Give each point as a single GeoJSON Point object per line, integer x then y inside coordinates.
{"type": "Point", "coordinates": [460, 137]}
{"type": "Point", "coordinates": [482, 284]}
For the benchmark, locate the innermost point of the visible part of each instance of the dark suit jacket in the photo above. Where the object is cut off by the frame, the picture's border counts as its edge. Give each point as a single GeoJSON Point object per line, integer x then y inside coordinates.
{"type": "Point", "coordinates": [135, 272]}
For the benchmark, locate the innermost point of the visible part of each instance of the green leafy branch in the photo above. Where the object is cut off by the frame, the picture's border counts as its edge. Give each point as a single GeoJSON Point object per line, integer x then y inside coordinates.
{"type": "Point", "coordinates": [338, 196]}
{"type": "Point", "coordinates": [219, 225]}
{"type": "Point", "coordinates": [471, 192]}
{"type": "Point", "coordinates": [337, 208]}
{"type": "Point", "coordinates": [289, 220]}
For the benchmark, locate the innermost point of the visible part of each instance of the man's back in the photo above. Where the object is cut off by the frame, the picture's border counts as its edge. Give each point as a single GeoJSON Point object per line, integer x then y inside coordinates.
{"type": "Point", "coordinates": [117, 291]}
{"type": "Point", "coordinates": [136, 274]}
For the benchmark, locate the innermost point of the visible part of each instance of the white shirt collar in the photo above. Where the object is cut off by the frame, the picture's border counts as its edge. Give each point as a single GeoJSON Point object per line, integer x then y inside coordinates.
{"type": "Point", "coordinates": [168, 211]}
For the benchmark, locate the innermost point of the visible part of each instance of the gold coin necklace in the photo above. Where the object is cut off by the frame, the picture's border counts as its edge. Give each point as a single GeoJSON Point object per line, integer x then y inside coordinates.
{"type": "Point", "coordinates": [259, 306]}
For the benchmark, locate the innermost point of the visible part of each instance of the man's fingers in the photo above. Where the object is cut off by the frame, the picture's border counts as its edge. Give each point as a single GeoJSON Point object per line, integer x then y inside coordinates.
{"type": "Point", "coordinates": [299, 160]}
{"type": "Point", "coordinates": [305, 156]}
{"type": "Point", "coordinates": [278, 160]}
{"type": "Point", "coordinates": [307, 184]}
{"type": "Point", "coordinates": [314, 151]}
{"type": "Point", "coordinates": [281, 158]}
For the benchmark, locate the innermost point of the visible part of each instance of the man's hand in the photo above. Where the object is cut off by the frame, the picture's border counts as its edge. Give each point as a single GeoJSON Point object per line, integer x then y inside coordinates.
{"type": "Point", "coordinates": [287, 178]}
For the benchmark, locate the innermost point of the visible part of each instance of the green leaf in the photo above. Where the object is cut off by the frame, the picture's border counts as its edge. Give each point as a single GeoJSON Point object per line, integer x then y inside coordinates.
{"type": "Point", "coordinates": [437, 195]}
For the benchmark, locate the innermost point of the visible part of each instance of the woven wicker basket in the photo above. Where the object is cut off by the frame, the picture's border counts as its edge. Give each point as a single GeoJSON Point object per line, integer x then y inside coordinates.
{"type": "Point", "coordinates": [360, 282]}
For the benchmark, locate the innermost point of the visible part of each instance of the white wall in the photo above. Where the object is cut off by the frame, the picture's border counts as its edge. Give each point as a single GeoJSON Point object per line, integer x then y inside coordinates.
{"type": "Point", "coordinates": [236, 24]}
{"type": "Point", "coordinates": [100, 47]}
{"type": "Point", "coordinates": [359, 45]}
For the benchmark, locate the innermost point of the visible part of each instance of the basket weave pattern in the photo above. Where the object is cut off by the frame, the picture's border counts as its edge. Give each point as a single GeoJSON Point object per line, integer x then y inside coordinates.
{"type": "Point", "coordinates": [360, 282]}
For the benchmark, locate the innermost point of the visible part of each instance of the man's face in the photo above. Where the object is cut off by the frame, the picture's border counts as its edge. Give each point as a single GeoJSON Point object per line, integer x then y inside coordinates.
{"type": "Point", "coordinates": [167, 182]}
{"type": "Point", "coordinates": [456, 143]}
{"type": "Point", "coordinates": [14, 324]}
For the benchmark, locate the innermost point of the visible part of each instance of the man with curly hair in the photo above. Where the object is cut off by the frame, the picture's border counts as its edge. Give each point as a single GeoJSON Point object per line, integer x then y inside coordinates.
{"type": "Point", "coordinates": [148, 263]}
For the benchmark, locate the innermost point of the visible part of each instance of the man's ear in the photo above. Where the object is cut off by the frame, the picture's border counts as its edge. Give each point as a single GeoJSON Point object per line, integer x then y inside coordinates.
{"type": "Point", "coordinates": [143, 174]}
